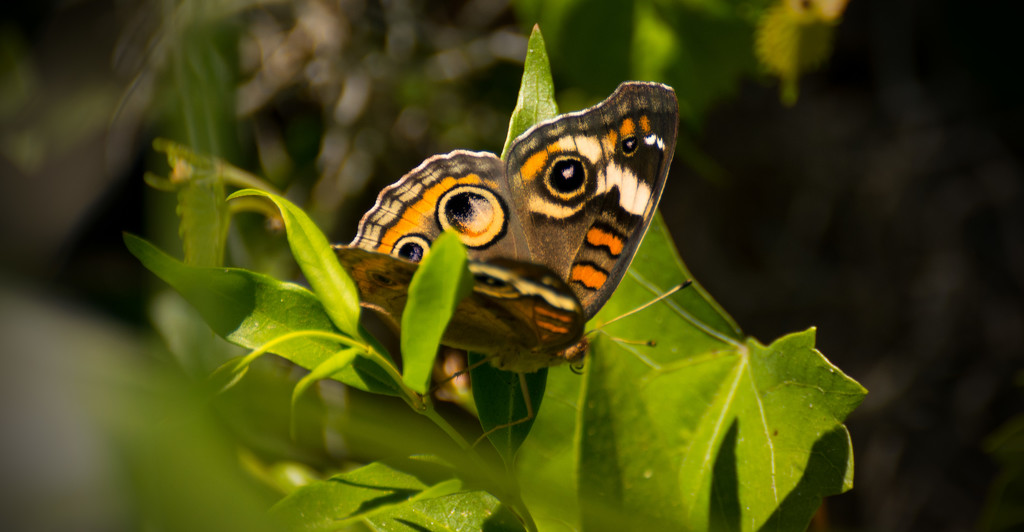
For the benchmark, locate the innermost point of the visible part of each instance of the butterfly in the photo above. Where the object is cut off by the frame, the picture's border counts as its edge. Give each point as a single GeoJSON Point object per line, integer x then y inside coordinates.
{"type": "Point", "coordinates": [550, 231]}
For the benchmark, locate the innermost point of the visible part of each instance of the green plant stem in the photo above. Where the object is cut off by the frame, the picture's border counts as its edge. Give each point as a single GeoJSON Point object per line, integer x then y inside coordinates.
{"type": "Point", "coordinates": [242, 179]}
{"type": "Point", "coordinates": [432, 415]}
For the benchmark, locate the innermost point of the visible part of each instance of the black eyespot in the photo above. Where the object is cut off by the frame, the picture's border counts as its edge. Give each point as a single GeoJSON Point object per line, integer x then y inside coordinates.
{"type": "Point", "coordinates": [568, 176]}
{"type": "Point", "coordinates": [630, 144]}
{"type": "Point", "coordinates": [462, 208]}
{"type": "Point", "coordinates": [411, 251]}
{"type": "Point", "coordinates": [489, 280]}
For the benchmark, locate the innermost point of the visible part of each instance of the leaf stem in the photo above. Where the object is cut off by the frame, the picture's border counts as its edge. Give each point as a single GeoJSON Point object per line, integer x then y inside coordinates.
{"type": "Point", "coordinates": [448, 429]}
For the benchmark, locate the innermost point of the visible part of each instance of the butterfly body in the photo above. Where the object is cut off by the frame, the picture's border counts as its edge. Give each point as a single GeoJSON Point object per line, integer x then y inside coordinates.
{"type": "Point", "coordinates": [550, 231]}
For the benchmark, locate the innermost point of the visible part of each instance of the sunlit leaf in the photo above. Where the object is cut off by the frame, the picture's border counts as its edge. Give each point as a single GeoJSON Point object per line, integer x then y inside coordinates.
{"type": "Point", "coordinates": [251, 309]}
{"type": "Point", "coordinates": [318, 263]}
{"type": "Point", "coordinates": [440, 282]}
{"type": "Point", "coordinates": [707, 430]}
{"type": "Point", "coordinates": [477, 510]}
{"type": "Point", "coordinates": [536, 101]}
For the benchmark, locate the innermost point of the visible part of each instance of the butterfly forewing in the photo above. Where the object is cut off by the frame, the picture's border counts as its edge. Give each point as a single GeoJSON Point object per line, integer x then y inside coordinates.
{"type": "Point", "coordinates": [586, 185]}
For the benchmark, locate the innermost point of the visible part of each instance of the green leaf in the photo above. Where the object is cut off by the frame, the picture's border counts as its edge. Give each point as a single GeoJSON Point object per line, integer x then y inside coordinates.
{"type": "Point", "coordinates": [397, 495]}
{"type": "Point", "coordinates": [476, 510]}
{"type": "Point", "coordinates": [706, 430]}
{"type": "Point", "coordinates": [500, 403]}
{"type": "Point", "coordinates": [536, 101]}
{"type": "Point", "coordinates": [251, 309]}
{"type": "Point", "coordinates": [657, 268]}
{"type": "Point", "coordinates": [318, 263]}
{"type": "Point", "coordinates": [440, 283]}
{"type": "Point", "coordinates": [200, 193]}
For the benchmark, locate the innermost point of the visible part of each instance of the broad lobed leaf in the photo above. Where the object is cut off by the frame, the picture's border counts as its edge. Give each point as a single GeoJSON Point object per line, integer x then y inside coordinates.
{"type": "Point", "coordinates": [706, 430]}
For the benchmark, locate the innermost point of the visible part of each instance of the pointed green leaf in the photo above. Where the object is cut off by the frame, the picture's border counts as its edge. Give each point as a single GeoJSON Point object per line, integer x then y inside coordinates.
{"type": "Point", "coordinates": [319, 264]}
{"type": "Point", "coordinates": [251, 309]}
{"type": "Point", "coordinates": [440, 283]}
{"type": "Point", "coordinates": [500, 403]}
{"type": "Point", "coordinates": [536, 101]}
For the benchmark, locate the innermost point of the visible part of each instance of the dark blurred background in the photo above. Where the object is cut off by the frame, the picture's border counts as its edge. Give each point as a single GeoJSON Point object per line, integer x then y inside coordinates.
{"type": "Point", "coordinates": [886, 207]}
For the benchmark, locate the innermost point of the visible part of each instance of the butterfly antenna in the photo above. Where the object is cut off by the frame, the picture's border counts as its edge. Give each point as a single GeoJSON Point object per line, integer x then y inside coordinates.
{"type": "Point", "coordinates": [671, 291]}
{"type": "Point", "coordinates": [648, 343]}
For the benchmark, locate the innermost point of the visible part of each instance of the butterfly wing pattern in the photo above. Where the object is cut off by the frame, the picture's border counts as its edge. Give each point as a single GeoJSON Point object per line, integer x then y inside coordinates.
{"type": "Point", "coordinates": [550, 232]}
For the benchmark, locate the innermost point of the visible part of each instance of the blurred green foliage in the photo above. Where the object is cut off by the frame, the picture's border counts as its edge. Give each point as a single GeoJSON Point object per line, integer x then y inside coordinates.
{"type": "Point", "coordinates": [321, 98]}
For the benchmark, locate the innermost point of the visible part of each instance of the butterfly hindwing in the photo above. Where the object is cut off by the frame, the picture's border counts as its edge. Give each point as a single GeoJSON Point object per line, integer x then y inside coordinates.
{"type": "Point", "coordinates": [463, 191]}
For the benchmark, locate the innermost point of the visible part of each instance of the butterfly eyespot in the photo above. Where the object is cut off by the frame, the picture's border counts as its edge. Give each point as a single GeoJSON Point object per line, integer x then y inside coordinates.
{"type": "Point", "coordinates": [630, 144]}
{"type": "Point", "coordinates": [474, 212]}
{"type": "Point", "coordinates": [411, 248]}
{"type": "Point", "coordinates": [567, 178]}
